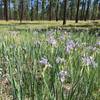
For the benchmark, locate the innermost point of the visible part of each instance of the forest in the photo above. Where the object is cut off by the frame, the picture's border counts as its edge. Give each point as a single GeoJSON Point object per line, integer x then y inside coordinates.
{"type": "Point", "coordinates": [50, 10]}
{"type": "Point", "coordinates": [49, 49]}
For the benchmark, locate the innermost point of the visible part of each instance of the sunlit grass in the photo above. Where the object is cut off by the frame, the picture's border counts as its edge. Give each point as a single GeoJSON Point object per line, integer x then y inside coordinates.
{"type": "Point", "coordinates": [50, 65]}
{"type": "Point", "coordinates": [47, 24]}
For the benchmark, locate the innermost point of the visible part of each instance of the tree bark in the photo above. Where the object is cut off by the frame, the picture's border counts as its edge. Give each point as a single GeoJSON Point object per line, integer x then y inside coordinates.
{"type": "Point", "coordinates": [83, 9]}
{"type": "Point", "coordinates": [57, 10]}
{"type": "Point", "coordinates": [99, 11]}
{"type": "Point", "coordinates": [87, 10]}
{"type": "Point", "coordinates": [31, 11]}
{"type": "Point", "coordinates": [77, 12]}
{"type": "Point", "coordinates": [14, 16]}
{"type": "Point", "coordinates": [9, 9]}
{"type": "Point", "coordinates": [6, 10]}
{"type": "Point", "coordinates": [37, 8]}
{"type": "Point", "coordinates": [50, 10]}
{"type": "Point", "coordinates": [43, 4]}
{"type": "Point", "coordinates": [64, 13]}
{"type": "Point", "coordinates": [21, 9]}
{"type": "Point", "coordinates": [1, 17]}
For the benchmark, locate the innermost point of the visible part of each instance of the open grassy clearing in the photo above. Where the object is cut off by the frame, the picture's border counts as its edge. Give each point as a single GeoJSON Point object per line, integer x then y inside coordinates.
{"type": "Point", "coordinates": [29, 26]}
{"type": "Point", "coordinates": [48, 24]}
{"type": "Point", "coordinates": [48, 65]}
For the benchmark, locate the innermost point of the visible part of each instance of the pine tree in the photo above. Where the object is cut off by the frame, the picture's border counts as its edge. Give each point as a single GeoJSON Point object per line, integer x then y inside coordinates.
{"type": "Point", "coordinates": [5, 9]}
{"type": "Point", "coordinates": [64, 13]}
{"type": "Point", "coordinates": [77, 12]}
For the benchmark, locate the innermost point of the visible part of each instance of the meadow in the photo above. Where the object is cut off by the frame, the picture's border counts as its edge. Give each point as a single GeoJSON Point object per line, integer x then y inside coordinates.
{"type": "Point", "coordinates": [53, 64]}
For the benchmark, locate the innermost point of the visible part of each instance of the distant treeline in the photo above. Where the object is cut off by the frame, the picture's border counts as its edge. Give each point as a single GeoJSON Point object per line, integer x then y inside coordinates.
{"type": "Point", "coordinates": [50, 10]}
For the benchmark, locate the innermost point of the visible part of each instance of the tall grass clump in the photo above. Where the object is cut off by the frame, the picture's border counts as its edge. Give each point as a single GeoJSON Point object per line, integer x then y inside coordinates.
{"type": "Point", "coordinates": [51, 65]}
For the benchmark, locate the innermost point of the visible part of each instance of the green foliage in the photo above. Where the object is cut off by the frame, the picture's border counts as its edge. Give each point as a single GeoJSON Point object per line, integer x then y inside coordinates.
{"type": "Point", "coordinates": [21, 57]}
{"type": "Point", "coordinates": [40, 9]}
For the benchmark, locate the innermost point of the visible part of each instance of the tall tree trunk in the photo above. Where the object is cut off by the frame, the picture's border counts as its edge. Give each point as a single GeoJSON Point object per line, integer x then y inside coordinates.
{"type": "Point", "coordinates": [26, 11]}
{"type": "Point", "coordinates": [99, 11]}
{"type": "Point", "coordinates": [6, 10]}
{"type": "Point", "coordinates": [57, 10]}
{"type": "Point", "coordinates": [87, 10]}
{"type": "Point", "coordinates": [93, 16]}
{"type": "Point", "coordinates": [95, 9]}
{"type": "Point", "coordinates": [9, 9]}
{"type": "Point", "coordinates": [43, 4]}
{"type": "Point", "coordinates": [77, 12]}
{"type": "Point", "coordinates": [21, 10]}
{"type": "Point", "coordinates": [31, 11]}
{"type": "Point", "coordinates": [37, 8]}
{"type": "Point", "coordinates": [1, 17]}
{"type": "Point", "coordinates": [71, 13]}
{"type": "Point", "coordinates": [64, 13]}
{"type": "Point", "coordinates": [50, 10]}
{"type": "Point", "coordinates": [83, 9]}
{"type": "Point", "coordinates": [14, 7]}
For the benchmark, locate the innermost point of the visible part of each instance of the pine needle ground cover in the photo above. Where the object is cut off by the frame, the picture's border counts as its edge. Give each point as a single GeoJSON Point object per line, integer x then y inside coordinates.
{"type": "Point", "coordinates": [50, 65]}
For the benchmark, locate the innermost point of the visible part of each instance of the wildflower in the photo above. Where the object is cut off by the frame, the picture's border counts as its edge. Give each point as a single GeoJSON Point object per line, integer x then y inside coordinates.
{"type": "Point", "coordinates": [52, 41]}
{"type": "Point", "coordinates": [50, 32]}
{"type": "Point", "coordinates": [98, 43]}
{"type": "Point", "coordinates": [44, 61]}
{"type": "Point", "coordinates": [92, 48]}
{"type": "Point", "coordinates": [89, 61]}
{"type": "Point", "coordinates": [97, 34]}
{"type": "Point", "coordinates": [65, 33]}
{"type": "Point", "coordinates": [70, 45]}
{"type": "Point", "coordinates": [62, 37]}
{"type": "Point", "coordinates": [62, 75]}
{"type": "Point", "coordinates": [60, 60]}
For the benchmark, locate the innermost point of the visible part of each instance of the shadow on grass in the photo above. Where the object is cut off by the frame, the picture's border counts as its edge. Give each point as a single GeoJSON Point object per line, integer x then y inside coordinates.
{"type": "Point", "coordinates": [24, 23]}
{"type": "Point", "coordinates": [50, 25]}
